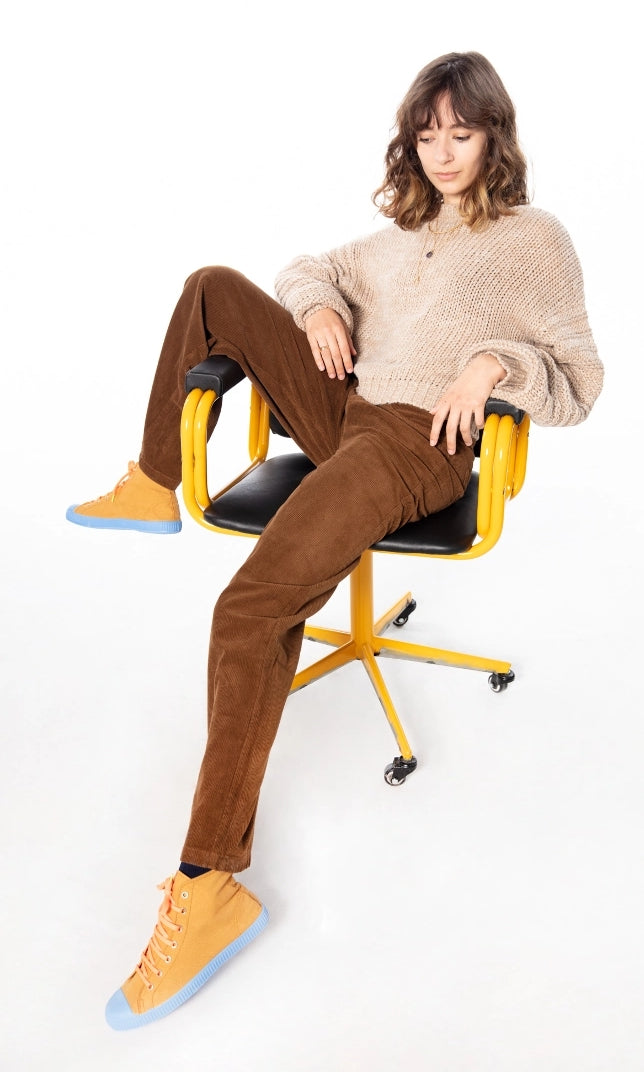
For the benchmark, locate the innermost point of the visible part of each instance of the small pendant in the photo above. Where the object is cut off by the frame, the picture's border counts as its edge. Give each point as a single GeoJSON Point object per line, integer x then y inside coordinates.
{"type": "Point", "coordinates": [429, 253]}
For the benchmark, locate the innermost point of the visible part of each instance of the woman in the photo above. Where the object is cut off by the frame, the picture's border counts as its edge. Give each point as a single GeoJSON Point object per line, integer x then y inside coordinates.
{"type": "Point", "coordinates": [470, 292]}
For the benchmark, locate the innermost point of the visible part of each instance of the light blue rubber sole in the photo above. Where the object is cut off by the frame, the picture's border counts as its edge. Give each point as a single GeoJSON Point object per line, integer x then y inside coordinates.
{"type": "Point", "coordinates": [120, 1015]}
{"type": "Point", "coordinates": [120, 523]}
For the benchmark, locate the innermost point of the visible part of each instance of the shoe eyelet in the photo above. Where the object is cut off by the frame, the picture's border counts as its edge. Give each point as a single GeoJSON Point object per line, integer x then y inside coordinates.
{"type": "Point", "coordinates": [150, 987]}
{"type": "Point", "coordinates": [174, 944]}
{"type": "Point", "coordinates": [167, 959]}
{"type": "Point", "coordinates": [160, 973]}
{"type": "Point", "coordinates": [183, 910]}
{"type": "Point", "coordinates": [184, 894]}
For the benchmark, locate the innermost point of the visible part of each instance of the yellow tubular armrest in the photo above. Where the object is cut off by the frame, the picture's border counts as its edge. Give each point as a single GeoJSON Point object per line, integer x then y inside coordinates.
{"type": "Point", "coordinates": [502, 470]}
{"type": "Point", "coordinates": [521, 456]}
{"type": "Point", "coordinates": [259, 428]}
{"type": "Point", "coordinates": [200, 441]}
{"type": "Point", "coordinates": [486, 471]}
{"type": "Point", "coordinates": [261, 450]}
{"type": "Point", "coordinates": [188, 453]}
{"type": "Point", "coordinates": [194, 444]}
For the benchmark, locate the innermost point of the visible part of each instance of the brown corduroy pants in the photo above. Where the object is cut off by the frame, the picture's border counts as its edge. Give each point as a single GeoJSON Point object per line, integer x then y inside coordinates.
{"type": "Point", "coordinates": [375, 471]}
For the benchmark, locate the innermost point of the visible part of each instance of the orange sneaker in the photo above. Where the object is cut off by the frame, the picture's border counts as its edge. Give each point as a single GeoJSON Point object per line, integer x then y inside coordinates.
{"type": "Point", "coordinates": [202, 923]}
{"type": "Point", "coordinates": [135, 503]}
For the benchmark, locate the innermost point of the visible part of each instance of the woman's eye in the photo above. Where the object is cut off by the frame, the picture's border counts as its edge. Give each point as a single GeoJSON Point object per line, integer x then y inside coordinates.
{"type": "Point", "coordinates": [462, 138]}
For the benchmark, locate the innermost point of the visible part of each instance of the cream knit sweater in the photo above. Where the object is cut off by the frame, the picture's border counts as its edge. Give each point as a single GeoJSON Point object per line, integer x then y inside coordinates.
{"type": "Point", "coordinates": [514, 290]}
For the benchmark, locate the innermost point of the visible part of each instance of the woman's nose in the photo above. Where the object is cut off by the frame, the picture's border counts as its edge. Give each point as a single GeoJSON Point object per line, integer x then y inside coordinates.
{"type": "Point", "coordinates": [443, 151]}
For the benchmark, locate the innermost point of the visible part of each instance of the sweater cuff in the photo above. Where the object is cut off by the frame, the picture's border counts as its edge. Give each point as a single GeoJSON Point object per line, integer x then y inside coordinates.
{"type": "Point", "coordinates": [517, 369]}
{"type": "Point", "coordinates": [331, 304]}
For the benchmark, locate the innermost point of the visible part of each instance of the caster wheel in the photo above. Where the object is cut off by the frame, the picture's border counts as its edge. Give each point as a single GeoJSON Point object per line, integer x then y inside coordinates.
{"type": "Point", "coordinates": [499, 681]}
{"type": "Point", "coordinates": [401, 619]}
{"type": "Point", "coordinates": [397, 772]}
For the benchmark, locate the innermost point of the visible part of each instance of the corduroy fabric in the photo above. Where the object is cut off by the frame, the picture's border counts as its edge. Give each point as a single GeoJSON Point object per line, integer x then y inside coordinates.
{"type": "Point", "coordinates": [375, 471]}
{"type": "Point", "coordinates": [383, 474]}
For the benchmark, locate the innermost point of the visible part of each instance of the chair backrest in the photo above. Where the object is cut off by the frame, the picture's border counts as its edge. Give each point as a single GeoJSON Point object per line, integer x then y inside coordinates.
{"type": "Point", "coordinates": [275, 426]}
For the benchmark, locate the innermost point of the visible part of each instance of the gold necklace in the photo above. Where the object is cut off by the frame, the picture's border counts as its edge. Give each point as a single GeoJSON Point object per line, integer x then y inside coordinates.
{"type": "Point", "coordinates": [438, 235]}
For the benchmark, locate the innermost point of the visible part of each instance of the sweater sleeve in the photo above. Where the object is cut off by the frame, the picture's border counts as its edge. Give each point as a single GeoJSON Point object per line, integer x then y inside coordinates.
{"type": "Point", "coordinates": [330, 281]}
{"type": "Point", "coordinates": [554, 373]}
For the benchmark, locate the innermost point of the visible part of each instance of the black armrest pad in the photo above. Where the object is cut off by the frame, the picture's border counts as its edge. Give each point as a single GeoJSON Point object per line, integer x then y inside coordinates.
{"type": "Point", "coordinates": [496, 406]}
{"type": "Point", "coordinates": [217, 373]}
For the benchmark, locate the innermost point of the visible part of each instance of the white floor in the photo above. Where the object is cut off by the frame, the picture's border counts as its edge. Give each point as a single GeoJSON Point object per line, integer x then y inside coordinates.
{"type": "Point", "coordinates": [484, 916]}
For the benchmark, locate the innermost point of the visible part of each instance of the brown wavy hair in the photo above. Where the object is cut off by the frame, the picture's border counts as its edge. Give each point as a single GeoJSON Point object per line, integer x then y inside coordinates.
{"type": "Point", "coordinates": [468, 83]}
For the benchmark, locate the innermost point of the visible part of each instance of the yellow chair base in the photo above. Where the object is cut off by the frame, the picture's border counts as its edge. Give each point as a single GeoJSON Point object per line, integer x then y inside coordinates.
{"type": "Point", "coordinates": [364, 642]}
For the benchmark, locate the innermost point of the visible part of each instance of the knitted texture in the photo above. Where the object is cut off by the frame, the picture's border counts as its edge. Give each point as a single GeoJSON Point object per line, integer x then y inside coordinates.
{"type": "Point", "coordinates": [514, 290]}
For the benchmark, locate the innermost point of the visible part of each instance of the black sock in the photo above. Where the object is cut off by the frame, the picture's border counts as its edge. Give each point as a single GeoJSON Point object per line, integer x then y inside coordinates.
{"type": "Point", "coordinates": [192, 870]}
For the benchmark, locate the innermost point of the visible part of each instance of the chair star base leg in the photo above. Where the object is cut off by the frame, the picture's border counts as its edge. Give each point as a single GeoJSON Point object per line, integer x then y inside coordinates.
{"type": "Point", "coordinates": [364, 642]}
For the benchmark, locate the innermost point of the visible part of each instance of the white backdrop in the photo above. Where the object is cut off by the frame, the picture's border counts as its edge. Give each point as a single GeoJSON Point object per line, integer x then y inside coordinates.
{"type": "Point", "coordinates": [487, 915]}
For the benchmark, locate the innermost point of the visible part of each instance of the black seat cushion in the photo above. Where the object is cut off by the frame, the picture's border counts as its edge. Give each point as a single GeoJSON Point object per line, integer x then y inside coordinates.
{"type": "Point", "coordinates": [250, 505]}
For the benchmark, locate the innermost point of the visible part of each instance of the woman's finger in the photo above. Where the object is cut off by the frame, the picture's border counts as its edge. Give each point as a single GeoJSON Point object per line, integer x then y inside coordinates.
{"type": "Point", "coordinates": [451, 429]}
{"type": "Point", "coordinates": [335, 356]}
{"type": "Point", "coordinates": [439, 414]}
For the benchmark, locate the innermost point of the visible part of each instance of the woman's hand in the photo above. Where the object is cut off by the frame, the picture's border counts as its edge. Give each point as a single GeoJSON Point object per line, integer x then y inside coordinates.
{"type": "Point", "coordinates": [331, 344]}
{"type": "Point", "coordinates": [465, 401]}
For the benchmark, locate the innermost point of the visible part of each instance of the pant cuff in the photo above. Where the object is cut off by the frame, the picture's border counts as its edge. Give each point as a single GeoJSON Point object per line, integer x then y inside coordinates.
{"type": "Point", "coordinates": [209, 860]}
{"type": "Point", "coordinates": [161, 479]}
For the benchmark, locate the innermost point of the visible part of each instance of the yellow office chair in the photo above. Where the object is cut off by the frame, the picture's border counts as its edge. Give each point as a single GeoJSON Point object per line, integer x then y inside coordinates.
{"type": "Point", "coordinates": [467, 529]}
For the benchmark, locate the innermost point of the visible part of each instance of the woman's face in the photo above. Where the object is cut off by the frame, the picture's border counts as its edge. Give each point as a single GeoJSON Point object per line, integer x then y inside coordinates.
{"type": "Point", "coordinates": [450, 154]}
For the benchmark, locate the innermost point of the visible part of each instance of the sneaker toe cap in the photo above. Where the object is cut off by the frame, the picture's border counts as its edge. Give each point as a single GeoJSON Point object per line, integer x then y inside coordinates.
{"type": "Point", "coordinates": [118, 1012]}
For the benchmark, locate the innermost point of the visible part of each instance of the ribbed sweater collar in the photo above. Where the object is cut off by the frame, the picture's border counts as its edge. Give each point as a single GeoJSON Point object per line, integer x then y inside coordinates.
{"type": "Point", "coordinates": [448, 216]}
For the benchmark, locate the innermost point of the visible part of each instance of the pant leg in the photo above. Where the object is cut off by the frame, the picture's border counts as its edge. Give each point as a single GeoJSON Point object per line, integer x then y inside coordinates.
{"type": "Point", "coordinates": [221, 312]}
{"type": "Point", "coordinates": [384, 473]}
